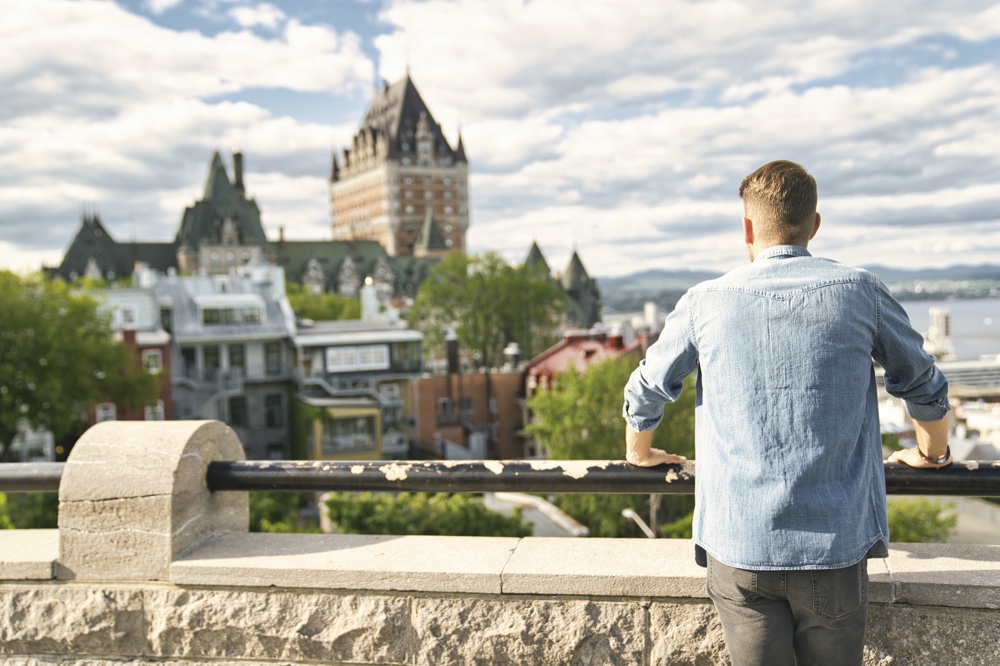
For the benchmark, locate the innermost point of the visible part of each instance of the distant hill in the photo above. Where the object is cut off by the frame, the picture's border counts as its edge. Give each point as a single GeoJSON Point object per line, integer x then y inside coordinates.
{"type": "Point", "coordinates": [629, 293]}
{"type": "Point", "coordinates": [982, 272]}
{"type": "Point", "coordinates": [654, 280]}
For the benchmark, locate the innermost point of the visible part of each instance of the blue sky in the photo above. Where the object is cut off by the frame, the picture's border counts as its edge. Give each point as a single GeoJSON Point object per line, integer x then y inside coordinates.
{"type": "Point", "coordinates": [620, 128]}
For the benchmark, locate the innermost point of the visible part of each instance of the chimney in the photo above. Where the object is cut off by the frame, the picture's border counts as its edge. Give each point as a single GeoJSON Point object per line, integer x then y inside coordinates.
{"type": "Point", "coordinates": [281, 236]}
{"type": "Point", "coordinates": [238, 172]}
{"type": "Point", "coordinates": [452, 346]}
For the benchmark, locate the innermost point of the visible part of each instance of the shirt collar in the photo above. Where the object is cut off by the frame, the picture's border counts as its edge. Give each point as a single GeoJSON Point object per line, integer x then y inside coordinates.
{"type": "Point", "coordinates": [783, 251]}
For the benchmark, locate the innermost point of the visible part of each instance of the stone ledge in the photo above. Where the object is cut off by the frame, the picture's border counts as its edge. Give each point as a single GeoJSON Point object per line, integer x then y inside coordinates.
{"type": "Point", "coordinates": [918, 574]}
{"type": "Point", "coordinates": [349, 562]}
{"type": "Point", "coordinates": [28, 554]}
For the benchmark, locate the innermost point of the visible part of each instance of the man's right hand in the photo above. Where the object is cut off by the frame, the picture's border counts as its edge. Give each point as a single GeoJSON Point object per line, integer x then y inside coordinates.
{"type": "Point", "coordinates": [912, 458]}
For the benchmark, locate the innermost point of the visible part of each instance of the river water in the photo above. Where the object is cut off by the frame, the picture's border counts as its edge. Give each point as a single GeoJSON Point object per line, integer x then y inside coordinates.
{"type": "Point", "coordinates": [975, 324]}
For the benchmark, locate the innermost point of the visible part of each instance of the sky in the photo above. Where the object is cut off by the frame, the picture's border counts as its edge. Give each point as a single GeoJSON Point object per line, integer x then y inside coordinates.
{"type": "Point", "coordinates": [617, 128]}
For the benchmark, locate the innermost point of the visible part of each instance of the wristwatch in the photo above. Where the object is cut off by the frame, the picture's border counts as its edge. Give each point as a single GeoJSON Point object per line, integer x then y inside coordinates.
{"type": "Point", "coordinates": [936, 461]}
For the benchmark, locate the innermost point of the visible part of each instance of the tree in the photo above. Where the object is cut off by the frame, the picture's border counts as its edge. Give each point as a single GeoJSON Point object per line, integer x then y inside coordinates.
{"type": "Point", "coordinates": [58, 356]}
{"type": "Point", "coordinates": [321, 307]}
{"type": "Point", "coordinates": [421, 513]}
{"type": "Point", "coordinates": [580, 419]}
{"type": "Point", "coordinates": [29, 511]}
{"type": "Point", "coordinates": [278, 511]}
{"type": "Point", "coordinates": [489, 304]}
{"type": "Point", "coordinates": [920, 520]}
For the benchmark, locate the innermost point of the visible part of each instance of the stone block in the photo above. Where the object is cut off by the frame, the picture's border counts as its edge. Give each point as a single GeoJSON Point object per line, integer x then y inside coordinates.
{"type": "Point", "coordinates": [348, 561]}
{"type": "Point", "coordinates": [134, 497]}
{"type": "Point", "coordinates": [685, 633]}
{"type": "Point", "coordinates": [514, 632]}
{"type": "Point", "coordinates": [68, 620]}
{"type": "Point", "coordinates": [927, 636]}
{"type": "Point", "coordinates": [28, 554]}
{"type": "Point", "coordinates": [960, 576]}
{"type": "Point", "coordinates": [235, 626]}
{"type": "Point", "coordinates": [605, 567]}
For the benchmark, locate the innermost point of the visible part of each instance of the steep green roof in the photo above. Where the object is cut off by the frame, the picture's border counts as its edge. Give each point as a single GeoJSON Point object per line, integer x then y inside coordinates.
{"type": "Point", "coordinates": [205, 221]}
{"type": "Point", "coordinates": [537, 260]}
{"type": "Point", "coordinates": [430, 236]}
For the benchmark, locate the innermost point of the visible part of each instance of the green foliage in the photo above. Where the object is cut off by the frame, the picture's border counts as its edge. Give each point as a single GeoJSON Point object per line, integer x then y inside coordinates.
{"type": "Point", "coordinates": [421, 513]}
{"type": "Point", "coordinates": [580, 419]}
{"type": "Point", "coordinates": [891, 442]}
{"type": "Point", "coordinates": [58, 356]}
{"type": "Point", "coordinates": [28, 511]}
{"type": "Point", "coordinates": [920, 520]}
{"type": "Point", "coordinates": [321, 307]}
{"type": "Point", "coordinates": [489, 304]}
{"type": "Point", "coordinates": [278, 511]}
{"type": "Point", "coordinates": [5, 523]}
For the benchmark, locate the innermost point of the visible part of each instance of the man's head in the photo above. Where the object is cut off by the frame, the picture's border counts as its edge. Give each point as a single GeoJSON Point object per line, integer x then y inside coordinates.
{"type": "Point", "coordinates": [779, 204]}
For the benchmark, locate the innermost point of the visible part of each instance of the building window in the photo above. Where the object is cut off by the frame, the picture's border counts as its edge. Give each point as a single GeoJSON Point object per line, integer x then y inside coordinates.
{"type": "Point", "coordinates": [152, 361]}
{"type": "Point", "coordinates": [444, 407]}
{"type": "Point", "coordinates": [428, 195]}
{"type": "Point", "coordinates": [364, 357]}
{"type": "Point", "coordinates": [210, 358]}
{"type": "Point", "coordinates": [106, 411]}
{"type": "Point", "coordinates": [466, 405]}
{"type": "Point", "coordinates": [274, 410]}
{"type": "Point", "coordinates": [348, 435]}
{"type": "Point", "coordinates": [217, 316]}
{"type": "Point", "coordinates": [272, 358]}
{"type": "Point", "coordinates": [167, 319]}
{"type": "Point", "coordinates": [238, 411]}
{"type": "Point", "coordinates": [154, 412]}
{"type": "Point", "coordinates": [128, 315]}
{"type": "Point", "coordinates": [409, 209]}
{"type": "Point", "coordinates": [237, 357]}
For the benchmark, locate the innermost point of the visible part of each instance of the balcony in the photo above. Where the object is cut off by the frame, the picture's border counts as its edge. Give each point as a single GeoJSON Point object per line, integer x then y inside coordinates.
{"type": "Point", "coordinates": [149, 563]}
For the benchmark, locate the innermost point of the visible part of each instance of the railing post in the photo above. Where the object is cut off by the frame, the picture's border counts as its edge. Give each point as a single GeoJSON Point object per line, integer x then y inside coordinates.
{"type": "Point", "coordinates": [133, 498]}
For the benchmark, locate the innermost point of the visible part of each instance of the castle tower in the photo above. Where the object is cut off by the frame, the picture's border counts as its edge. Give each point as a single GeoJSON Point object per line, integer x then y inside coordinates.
{"type": "Point", "coordinates": [399, 172]}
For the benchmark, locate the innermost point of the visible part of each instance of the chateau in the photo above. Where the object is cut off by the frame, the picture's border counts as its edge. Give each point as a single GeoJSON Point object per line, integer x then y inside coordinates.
{"type": "Point", "coordinates": [401, 184]}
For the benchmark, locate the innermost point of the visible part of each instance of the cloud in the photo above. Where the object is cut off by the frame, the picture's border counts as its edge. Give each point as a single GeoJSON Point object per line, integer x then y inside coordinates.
{"type": "Point", "coordinates": [160, 6]}
{"type": "Point", "coordinates": [265, 15]}
{"type": "Point", "coordinates": [94, 58]}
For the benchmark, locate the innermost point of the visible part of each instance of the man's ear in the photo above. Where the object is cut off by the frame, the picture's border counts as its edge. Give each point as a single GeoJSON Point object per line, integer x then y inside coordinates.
{"type": "Point", "coordinates": [748, 230]}
{"type": "Point", "coordinates": [816, 226]}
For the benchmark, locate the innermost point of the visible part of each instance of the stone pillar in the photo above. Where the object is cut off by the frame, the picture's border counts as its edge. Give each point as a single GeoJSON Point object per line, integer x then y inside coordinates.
{"type": "Point", "coordinates": [133, 498]}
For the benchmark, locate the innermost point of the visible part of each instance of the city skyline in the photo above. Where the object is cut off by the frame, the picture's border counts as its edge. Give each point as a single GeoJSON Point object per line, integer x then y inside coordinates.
{"type": "Point", "coordinates": [619, 129]}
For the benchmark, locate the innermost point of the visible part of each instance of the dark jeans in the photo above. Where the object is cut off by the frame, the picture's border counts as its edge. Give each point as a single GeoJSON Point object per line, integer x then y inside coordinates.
{"type": "Point", "coordinates": [779, 618]}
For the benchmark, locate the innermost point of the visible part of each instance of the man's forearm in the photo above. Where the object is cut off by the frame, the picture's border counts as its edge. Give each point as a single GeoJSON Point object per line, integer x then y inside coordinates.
{"type": "Point", "coordinates": [932, 437]}
{"type": "Point", "coordinates": [637, 445]}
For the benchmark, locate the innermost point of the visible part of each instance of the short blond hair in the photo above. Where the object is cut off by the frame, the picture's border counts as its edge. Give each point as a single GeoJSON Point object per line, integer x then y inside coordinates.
{"type": "Point", "coordinates": [780, 197]}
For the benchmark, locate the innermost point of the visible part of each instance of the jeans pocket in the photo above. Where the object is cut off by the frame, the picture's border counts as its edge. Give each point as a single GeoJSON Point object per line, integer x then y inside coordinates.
{"type": "Point", "coordinates": [732, 584]}
{"type": "Point", "coordinates": [840, 592]}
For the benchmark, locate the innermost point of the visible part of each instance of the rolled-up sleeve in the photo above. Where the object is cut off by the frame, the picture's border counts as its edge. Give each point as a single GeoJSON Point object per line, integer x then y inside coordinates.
{"type": "Point", "coordinates": [659, 379]}
{"type": "Point", "coordinates": [910, 372]}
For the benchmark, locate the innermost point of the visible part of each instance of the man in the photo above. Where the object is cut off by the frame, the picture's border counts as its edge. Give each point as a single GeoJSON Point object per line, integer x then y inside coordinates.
{"type": "Point", "coordinates": [790, 497]}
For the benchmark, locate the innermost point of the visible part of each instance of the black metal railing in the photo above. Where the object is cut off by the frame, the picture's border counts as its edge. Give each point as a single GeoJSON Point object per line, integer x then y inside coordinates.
{"type": "Point", "coordinates": [974, 479]}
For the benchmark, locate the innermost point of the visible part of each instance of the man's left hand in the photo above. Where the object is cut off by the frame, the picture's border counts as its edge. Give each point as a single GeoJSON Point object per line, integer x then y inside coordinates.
{"type": "Point", "coordinates": [656, 457]}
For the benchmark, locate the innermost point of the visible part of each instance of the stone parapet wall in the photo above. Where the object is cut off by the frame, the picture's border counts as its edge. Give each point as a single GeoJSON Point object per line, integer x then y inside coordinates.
{"type": "Point", "coordinates": [180, 581]}
{"type": "Point", "coordinates": [94, 624]}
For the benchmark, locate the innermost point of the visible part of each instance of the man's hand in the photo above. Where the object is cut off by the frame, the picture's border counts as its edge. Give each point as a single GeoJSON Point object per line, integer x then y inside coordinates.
{"type": "Point", "coordinates": [932, 439]}
{"type": "Point", "coordinates": [639, 451]}
{"type": "Point", "coordinates": [654, 458]}
{"type": "Point", "coordinates": [912, 458]}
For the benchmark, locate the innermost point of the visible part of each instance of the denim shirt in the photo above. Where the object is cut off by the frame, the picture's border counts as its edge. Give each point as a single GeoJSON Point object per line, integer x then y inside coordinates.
{"type": "Point", "coordinates": [788, 445]}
